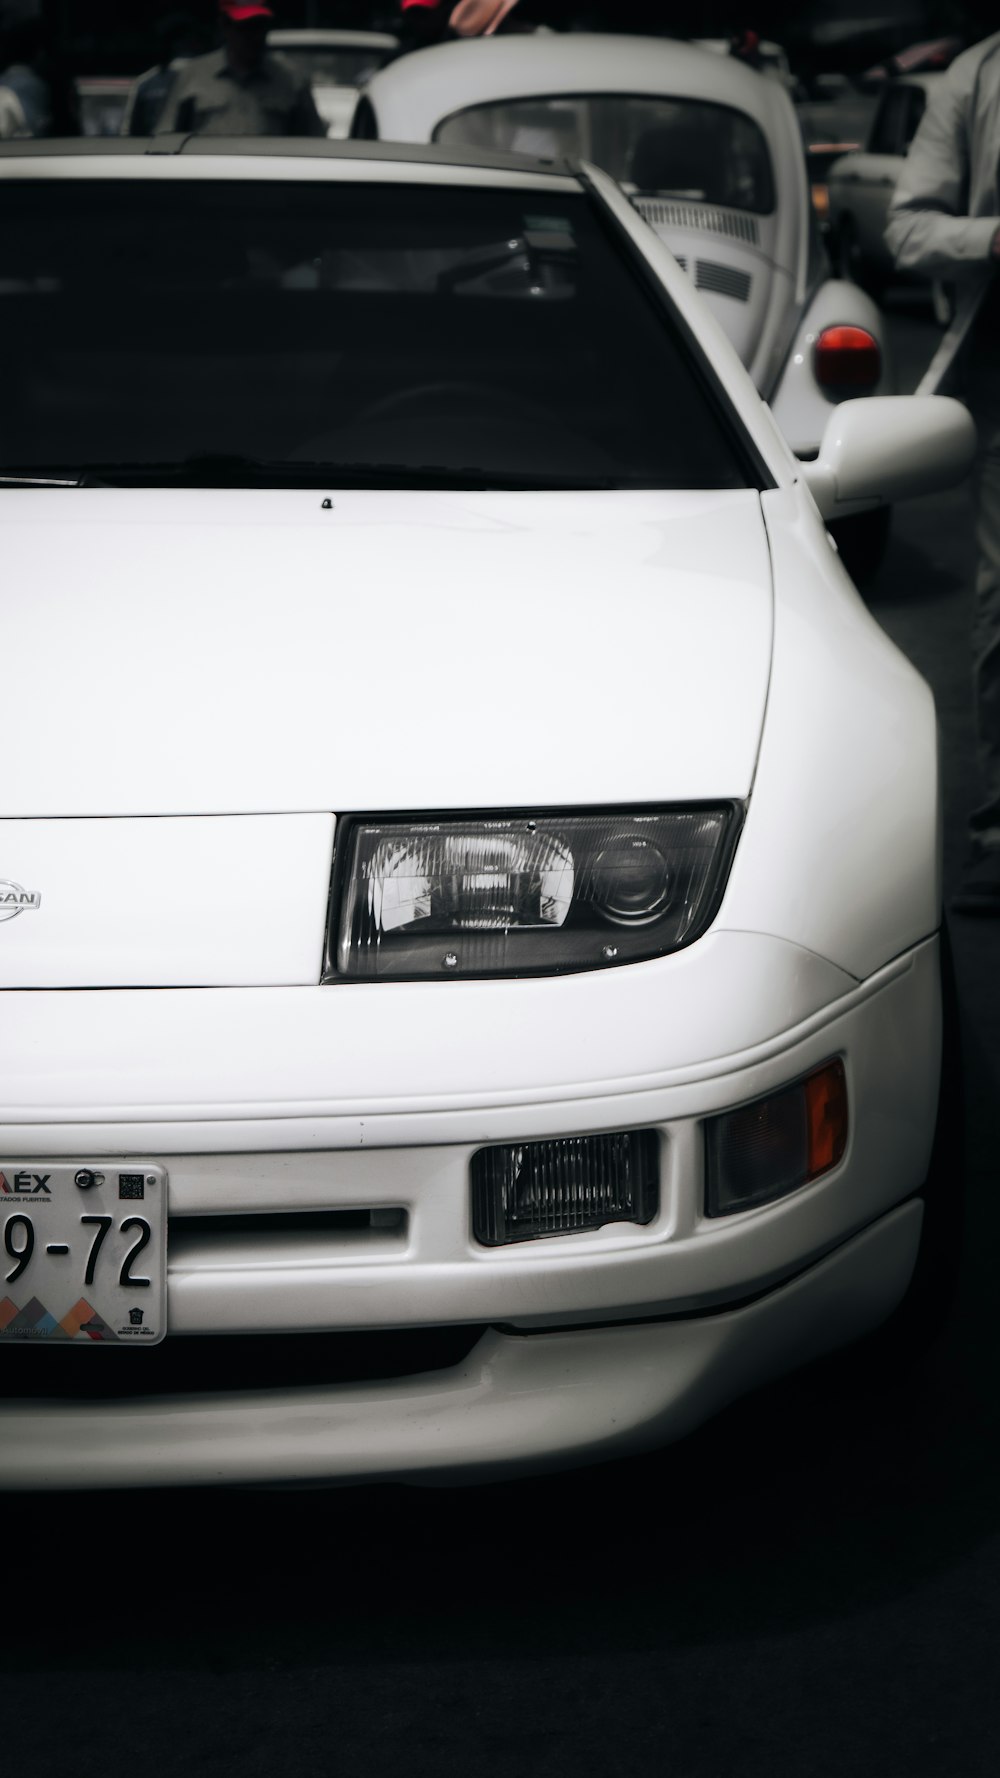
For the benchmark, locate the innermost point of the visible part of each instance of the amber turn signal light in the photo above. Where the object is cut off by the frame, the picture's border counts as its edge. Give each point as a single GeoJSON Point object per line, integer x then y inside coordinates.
{"type": "Point", "coordinates": [763, 1150]}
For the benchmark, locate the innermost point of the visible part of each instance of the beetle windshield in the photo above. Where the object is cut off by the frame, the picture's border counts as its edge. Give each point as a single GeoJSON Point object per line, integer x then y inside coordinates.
{"type": "Point", "coordinates": [681, 147]}
{"type": "Point", "coordinates": [451, 335]}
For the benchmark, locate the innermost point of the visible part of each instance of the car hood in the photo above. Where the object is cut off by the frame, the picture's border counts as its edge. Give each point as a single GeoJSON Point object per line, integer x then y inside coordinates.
{"type": "Point", "coordinates": [195, 652]}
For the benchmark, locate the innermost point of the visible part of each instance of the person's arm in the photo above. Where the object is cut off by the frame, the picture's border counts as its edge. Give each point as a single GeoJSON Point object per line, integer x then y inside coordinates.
{"type": "Point", "coordinates": [479, 18]}
{"type": "Point", "coordinates": [177, 115]}
{"type": "Point", "coordinates": [929, 229]}
{"type": "Point", "coordinates": [125, 127]}
{"type": "Point", "coordinates": [428, 21]}
{"type": "Point", "coordinates": [146, 99]}
{"type": "Point", "coordinates": [13, 122]}
{"type": "Point", "coordinates": [304, 119]}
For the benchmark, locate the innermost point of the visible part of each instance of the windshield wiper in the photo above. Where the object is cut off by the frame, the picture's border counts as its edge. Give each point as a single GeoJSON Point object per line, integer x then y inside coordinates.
{"type": "Point", "coordinates": [58, 477]}
{"type": "Point", "coordinates": [224, 471]}
{"type": "Point", "coordinates": [41, 481]}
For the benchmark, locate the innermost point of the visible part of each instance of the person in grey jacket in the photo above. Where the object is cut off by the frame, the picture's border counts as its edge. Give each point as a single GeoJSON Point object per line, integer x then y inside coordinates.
{"type": "Point", "coordinates": [240, 89]}
{"type": "Point", "coordinates": [944, 222]}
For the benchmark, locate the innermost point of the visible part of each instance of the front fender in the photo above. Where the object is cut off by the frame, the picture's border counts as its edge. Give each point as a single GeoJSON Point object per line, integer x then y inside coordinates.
{"type": "Point", "coordinates": [841, 849]}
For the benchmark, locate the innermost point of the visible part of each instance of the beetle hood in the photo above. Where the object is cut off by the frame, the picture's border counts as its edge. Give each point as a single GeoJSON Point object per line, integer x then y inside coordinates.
{"type": "Point", "coordinates": [729, 255]}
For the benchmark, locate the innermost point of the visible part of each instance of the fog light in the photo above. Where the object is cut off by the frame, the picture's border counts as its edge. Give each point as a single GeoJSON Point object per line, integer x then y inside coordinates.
{"type": "Point", "coordinates": [524, 1190]}
{"type": "Point", "coordinates": [764, 1150]}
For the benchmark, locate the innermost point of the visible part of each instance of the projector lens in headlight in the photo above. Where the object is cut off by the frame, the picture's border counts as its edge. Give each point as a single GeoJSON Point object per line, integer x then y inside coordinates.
{"type": "Point", "coordinates": [524, 894]}
{"type": "Point", "coordinates": [631, 879]}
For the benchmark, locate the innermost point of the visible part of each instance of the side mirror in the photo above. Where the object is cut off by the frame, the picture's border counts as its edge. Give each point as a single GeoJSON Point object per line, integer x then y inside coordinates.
{"type": "Point", "coordinates": [889, 447]}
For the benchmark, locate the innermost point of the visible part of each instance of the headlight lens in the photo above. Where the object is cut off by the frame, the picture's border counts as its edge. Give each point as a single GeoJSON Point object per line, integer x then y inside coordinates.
{"type": "Point", "coordinates": [523, 894]}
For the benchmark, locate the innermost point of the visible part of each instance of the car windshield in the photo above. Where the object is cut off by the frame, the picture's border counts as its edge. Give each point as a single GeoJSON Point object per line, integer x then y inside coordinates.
{"type": "Point", "coordinates": [395, 334]}
{"type": "Point", "coordinates": [681, 147]}
{"type": "Point", "coordinates": [324, 66]}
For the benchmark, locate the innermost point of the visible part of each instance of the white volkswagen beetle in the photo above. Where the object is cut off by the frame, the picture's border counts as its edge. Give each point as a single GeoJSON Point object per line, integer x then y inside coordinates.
{"type": "Point", "coordinates": [711, 153]}
{"type": "Point", "coordinates": [470, 907]}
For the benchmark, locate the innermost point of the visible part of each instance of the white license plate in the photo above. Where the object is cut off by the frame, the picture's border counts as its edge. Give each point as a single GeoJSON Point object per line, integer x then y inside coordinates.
{"type": "Point", "coordinates": [83, 1252]}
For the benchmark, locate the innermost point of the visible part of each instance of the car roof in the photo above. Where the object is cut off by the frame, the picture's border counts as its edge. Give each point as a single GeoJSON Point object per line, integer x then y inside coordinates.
{"type": "Point", "coordinates": [416, 92]}
{"type": "Point", "coordinates": [245, 156]}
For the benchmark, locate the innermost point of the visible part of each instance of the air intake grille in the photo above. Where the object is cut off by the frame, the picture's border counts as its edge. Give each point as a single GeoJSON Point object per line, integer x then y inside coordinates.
{"type": "Point", "coordinates": [199, 1364]}
{"type": "Point", "coordinates": [724, 280]}
{"type": "Point", "coordinates": [667, 213]}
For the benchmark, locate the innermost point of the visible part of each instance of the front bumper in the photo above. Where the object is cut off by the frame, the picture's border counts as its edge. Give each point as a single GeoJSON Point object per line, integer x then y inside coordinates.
{"type": "Point", "coordinates": [519, 1402]}
{"type": "Point", "coordinates": [746, 1295]}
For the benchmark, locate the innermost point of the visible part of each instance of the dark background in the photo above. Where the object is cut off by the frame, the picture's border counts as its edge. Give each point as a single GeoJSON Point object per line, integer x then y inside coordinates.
{"type": "Point", "coordinates": [118, 36]}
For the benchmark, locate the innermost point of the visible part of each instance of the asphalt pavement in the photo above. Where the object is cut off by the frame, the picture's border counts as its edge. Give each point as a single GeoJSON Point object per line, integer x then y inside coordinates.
{"type": "Point", "coordinates": [809, 1586]}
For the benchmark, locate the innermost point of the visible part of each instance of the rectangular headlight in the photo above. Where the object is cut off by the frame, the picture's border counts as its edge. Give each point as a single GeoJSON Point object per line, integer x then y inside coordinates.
{"type": "Point", "coordinates": [524, 894]}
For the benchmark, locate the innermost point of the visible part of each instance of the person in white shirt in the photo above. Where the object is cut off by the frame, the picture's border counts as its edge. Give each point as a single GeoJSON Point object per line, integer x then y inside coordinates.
{"type": "Point", "coordinates": [944, 223]}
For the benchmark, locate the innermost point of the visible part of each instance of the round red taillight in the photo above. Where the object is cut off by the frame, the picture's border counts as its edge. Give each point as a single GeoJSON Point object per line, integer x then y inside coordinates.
{"type": "Point", "coordinates": [847, 360]}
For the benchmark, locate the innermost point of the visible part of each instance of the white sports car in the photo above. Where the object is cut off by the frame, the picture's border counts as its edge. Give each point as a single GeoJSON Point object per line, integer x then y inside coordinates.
{"type": "Point", "coordinates": [712, 156]}
{"type": "Point", "coordinates": [470, 899]}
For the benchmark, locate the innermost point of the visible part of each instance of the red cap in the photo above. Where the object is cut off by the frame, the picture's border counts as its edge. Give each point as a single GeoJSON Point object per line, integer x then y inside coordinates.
{"type": "Point", "coordinates": [239, 14]}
